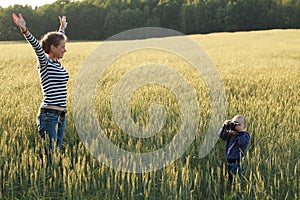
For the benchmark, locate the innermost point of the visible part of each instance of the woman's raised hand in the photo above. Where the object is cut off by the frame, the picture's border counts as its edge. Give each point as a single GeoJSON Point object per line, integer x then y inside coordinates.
{"type": "Point", "coordinates": [19, 21]}
{"type": "Point", "coordinates": [63, 22]}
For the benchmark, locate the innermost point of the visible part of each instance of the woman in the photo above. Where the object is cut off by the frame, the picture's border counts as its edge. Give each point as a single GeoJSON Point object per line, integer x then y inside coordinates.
{"type": "Point", "coordinates": [53, 77]}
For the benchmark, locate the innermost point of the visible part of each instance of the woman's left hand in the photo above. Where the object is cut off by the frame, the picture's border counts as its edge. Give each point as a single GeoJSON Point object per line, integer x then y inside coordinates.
{"type": "Point", "coordinates": [63, 22]}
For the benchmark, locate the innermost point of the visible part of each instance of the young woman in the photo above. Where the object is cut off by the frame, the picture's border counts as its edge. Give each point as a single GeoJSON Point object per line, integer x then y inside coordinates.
{"type": "Point", "coordinates": [51, 118]}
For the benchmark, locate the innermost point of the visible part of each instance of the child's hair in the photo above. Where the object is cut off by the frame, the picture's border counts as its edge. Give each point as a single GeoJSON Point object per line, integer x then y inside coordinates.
{"type": "Point", "coordinates": [242, 118]}
{"type": "Point", "coordinates": [51, 38]}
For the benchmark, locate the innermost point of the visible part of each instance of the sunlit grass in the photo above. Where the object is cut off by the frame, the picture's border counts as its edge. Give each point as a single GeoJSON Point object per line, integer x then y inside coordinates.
{"type": "Point", "coordinates": [260, 72]}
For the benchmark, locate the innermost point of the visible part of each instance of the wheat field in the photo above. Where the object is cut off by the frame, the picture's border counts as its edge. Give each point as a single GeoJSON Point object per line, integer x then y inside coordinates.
{"type": "Point", "coordinates": [260, 71]}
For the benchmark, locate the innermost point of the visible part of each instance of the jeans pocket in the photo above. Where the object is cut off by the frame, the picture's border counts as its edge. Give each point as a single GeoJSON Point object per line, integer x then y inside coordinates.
{"type": "Point", "coordinates": [51, 116]}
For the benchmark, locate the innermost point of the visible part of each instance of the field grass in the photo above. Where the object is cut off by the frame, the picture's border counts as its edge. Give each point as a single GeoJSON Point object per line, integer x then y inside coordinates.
{"type": "Point", "coordinates": [260, 71]}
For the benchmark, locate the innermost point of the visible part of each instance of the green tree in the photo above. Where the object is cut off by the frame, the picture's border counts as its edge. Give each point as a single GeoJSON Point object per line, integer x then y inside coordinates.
{"type": "Point", "coordinates": [169, 14]}
{"type": "Point", "coordinates": [112, 23]}
{"type": "Point", "coordinates": [48, 17]}
{"type": "Point", "coordinates": [8, 30]}
{"type": "Point", "coordinates": [98, 19]}
{"type": "Point", "coordinates": [86, 21]}
{"type": "Point", "coordinates": [291, 13]}
{"type": "Point", "coordinates": [190, 16]}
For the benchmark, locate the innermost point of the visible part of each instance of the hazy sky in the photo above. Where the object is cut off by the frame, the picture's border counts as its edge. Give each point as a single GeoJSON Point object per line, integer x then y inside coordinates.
{"type": "Point", "coordinates": [33, 3]}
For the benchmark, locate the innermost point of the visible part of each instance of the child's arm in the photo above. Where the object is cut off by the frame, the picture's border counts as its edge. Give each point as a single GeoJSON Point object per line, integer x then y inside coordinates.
{"type": "Point", "coordinates": [243, 139]}
{"type": "Point", "coordinates": [223, 134]}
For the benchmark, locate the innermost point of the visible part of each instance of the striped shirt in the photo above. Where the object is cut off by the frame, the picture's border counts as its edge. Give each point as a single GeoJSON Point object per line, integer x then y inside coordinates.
{"type": "Point", "coordinates": [53, 76]}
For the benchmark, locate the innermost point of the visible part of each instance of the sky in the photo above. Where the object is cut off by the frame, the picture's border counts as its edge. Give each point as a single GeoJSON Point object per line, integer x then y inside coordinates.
{"type": "Point", "coordinates": [33, 3]}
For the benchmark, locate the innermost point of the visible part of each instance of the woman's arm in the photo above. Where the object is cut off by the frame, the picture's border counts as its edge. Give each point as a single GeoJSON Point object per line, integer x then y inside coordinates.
{"type": "Point", "coordinates": [21, 23]}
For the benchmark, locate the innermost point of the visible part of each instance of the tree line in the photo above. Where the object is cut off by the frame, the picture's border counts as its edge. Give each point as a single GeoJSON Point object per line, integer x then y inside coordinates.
{"type": "Point", "coordinates": [100, 19]}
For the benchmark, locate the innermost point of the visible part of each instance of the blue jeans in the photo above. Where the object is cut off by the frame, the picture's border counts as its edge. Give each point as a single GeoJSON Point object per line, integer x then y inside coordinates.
{"type": "Point", "coordinates": [53, 125]}
{"type": "Point", "coordinates": [235, 169]}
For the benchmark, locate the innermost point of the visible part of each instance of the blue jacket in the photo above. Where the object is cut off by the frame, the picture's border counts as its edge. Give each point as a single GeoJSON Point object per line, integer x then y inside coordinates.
{"type": "Point", "coordinates": [235, 144]}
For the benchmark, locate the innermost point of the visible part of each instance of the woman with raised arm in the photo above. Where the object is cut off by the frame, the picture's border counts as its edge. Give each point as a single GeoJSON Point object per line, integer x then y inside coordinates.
{"type": "Point", "coordinates": [51, 118]}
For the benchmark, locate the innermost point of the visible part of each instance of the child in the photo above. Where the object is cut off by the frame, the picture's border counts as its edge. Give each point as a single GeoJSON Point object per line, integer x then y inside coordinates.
{"type": "Point", "coordinates": [237, 138]}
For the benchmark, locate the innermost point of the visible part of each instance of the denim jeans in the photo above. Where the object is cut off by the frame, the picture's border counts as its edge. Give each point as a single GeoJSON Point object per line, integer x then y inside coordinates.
{"type": "Point", "coordinates": [53, 125]}
{"type": "Point", "coordinates": [235, 169]}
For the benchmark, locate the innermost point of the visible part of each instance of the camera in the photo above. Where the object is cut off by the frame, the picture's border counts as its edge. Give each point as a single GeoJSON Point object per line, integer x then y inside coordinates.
{"type": "Point", "coordinates": [231, 126]}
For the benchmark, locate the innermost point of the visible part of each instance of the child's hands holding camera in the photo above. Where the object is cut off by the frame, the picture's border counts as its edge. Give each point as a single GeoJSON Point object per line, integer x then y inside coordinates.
{"type": "Point", "coordinates": [230, 132]}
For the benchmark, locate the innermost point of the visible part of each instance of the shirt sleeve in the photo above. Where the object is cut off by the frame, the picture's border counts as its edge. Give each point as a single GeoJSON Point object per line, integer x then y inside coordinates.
{"type": "Point", "coordinates": [42, 58]}
{"type": "Point", "coordinates": [222, 133]}
{"type": "Point", "coordinates": [62, 31]}
{"type": "Point", "coordinates": [243, 139]}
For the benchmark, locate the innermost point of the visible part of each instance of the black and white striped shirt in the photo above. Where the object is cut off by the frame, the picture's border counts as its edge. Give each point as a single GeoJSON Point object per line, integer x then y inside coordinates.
{"type": "Point", "coordinates": [52, 74]}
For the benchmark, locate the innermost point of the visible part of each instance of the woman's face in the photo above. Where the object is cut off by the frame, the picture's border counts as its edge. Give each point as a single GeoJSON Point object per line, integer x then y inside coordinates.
{"type": "Point", "coordinates": [59, 51]}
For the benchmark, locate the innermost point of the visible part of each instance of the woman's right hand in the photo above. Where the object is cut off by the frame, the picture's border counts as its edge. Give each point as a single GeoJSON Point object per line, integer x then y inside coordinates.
{"type": "Point", "coordinates": [19, 21]}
